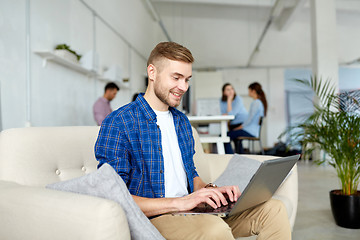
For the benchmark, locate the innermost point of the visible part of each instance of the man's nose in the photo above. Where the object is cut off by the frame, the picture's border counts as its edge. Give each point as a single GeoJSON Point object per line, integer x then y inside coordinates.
{"type": "Point", "coordinates": [183, 85]}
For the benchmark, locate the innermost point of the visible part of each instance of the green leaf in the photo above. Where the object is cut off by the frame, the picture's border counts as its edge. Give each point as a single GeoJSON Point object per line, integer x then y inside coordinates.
{"type": "Point", "coordinates": [332, 130]}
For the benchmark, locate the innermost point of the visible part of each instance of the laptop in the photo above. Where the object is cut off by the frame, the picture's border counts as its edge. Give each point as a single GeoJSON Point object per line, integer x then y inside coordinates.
{"type": "Point", "coordinates": [260, 188]}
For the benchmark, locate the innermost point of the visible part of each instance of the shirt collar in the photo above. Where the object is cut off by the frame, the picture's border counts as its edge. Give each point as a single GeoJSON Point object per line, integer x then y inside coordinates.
{"type": "Point", "coordinates": [145, 107]}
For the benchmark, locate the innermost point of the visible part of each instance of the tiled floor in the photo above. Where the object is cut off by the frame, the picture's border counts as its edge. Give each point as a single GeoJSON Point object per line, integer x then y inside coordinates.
{"type": "Point", "coordinates": [314, 220]}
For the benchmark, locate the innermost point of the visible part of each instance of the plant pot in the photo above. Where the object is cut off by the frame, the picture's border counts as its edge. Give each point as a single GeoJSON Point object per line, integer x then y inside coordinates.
{"type": "Point", "coordinates": [63, 53]}
{"type": "Point", "coordinates": [345, 209]}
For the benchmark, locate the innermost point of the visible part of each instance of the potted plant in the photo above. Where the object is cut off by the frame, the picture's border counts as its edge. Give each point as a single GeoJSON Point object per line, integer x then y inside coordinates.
{"type": "Point", "coordinates": [64, 51]}
{"type": "Point", "coordinates": [336, 131]}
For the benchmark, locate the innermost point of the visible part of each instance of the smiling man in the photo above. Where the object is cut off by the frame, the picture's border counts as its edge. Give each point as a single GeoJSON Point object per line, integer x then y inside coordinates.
{"type": "Point", "coordinates": [150, 145]}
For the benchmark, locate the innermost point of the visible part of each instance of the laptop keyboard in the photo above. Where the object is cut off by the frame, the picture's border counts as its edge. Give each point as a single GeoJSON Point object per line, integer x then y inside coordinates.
{"type": "Point", "coordinates": [206, 208]}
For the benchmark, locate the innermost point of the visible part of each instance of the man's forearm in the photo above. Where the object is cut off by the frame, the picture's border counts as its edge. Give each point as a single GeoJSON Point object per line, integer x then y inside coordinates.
{"type": "Point", "coordinates": [156, 206]}
{"type": "Point", "coordinates": [212, 196]}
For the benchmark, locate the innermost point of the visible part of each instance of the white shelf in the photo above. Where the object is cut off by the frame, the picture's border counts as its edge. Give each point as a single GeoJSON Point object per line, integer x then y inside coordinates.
{"type": "Point", "coordinates": [50, 56]}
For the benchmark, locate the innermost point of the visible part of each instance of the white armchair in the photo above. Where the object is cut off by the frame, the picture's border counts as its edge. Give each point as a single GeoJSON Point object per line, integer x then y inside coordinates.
{"type": "Point", "coordinates": [31, 158]}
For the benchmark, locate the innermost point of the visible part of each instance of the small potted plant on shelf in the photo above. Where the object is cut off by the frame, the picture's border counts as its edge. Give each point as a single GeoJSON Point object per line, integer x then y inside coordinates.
{"type": "Point", "coordinates": [64, 51]}
{"type": "Point", "coordinates": [335, 130]}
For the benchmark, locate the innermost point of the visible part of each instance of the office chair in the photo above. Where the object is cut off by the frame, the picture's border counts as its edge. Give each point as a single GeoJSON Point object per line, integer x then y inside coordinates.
{"type": "Point", "coordinates": [251, 140]}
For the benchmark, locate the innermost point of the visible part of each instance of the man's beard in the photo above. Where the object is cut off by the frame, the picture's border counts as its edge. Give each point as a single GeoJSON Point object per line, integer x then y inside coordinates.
{"type": "Point", "coordinates": [164, 97]}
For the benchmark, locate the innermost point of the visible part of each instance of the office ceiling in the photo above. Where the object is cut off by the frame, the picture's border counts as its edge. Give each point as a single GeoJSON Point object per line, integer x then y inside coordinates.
{"type": "Point", "coordinates": [247, 33]}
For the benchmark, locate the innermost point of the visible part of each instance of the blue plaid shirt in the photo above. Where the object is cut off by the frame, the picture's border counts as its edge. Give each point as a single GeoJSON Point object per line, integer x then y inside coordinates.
{"type": "Point", "coordinates": [130, 141]}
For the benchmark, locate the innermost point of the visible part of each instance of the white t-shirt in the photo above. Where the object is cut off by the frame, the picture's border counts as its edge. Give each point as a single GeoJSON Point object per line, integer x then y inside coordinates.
{"type": "Point", "coordinates": [174, 172]}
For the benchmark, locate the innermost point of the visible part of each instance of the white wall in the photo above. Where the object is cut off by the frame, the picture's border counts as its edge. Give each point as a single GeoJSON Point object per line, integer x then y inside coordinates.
{"type": "Point", "coordinates": [207, 84]}
{"type": "Point", "coordinates": [276, 119]}
{"type": "Point", "coordinates": [12, 63]}
{"type": "Point", "coordinates": [61, 96]}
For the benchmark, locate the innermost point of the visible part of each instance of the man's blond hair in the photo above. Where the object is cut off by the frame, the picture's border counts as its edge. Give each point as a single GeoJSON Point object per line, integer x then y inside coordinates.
{"type": "Point", "coordinates": [169, 50]}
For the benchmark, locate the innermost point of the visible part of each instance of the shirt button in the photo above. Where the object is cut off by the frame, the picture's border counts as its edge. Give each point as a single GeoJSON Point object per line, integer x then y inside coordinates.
{"type": "Point", "coordinates": [159, 148]}
{"type": "Point", "coordinates": [83, 169]}
{"type": "Point", "coordinates": [57, 172]}
{"type": "Point", "coordinates": [161, 171]}
{"type": "Point", "coordinates": [161, 196]}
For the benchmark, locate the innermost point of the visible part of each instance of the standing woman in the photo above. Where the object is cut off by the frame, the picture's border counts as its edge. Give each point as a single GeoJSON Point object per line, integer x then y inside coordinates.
{"type": "Point", "coordinates": [231, 104]}
{"type": "Point", "coordinates": [251, 127]}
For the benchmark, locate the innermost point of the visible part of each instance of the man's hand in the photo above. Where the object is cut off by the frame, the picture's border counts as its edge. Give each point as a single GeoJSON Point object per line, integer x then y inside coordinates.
{"type": "Point", "coordinates": [212, 196]}
{"type": "Point", "coordinates": [233, 192]}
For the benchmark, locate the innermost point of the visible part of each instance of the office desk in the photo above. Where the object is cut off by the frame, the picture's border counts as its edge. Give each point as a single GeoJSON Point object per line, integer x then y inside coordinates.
{"type": "Point", "coordinates": [206, 138]}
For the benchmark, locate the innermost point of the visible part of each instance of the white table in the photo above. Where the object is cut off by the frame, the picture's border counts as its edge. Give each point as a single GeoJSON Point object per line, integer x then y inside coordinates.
{"type": "Point", "coordinates": [219, 140]}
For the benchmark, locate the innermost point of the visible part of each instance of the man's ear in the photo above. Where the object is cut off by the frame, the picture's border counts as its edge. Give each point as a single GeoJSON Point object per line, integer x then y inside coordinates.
{"type": "Point", "coordinates": [151, 71]}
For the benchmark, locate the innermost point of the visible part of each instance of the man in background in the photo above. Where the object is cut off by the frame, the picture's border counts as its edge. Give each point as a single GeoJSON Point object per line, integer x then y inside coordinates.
{"type": "Point", "coordinates": [102, 106]}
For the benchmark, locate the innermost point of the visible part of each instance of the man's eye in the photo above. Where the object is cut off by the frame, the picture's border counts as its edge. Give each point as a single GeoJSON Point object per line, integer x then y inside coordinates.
{"type": "Point", "coordinates": [176, 78]}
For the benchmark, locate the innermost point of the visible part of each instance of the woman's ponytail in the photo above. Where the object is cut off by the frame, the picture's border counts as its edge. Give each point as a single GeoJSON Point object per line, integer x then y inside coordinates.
{"type": "Point", "coordinates": [258, 89]}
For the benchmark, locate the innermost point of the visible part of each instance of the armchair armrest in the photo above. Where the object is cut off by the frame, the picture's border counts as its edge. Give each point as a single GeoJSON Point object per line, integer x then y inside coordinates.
{"type": "Point", "coordinates": [39, 213]}
{"type": "Point", "coordinates": [211, 166]}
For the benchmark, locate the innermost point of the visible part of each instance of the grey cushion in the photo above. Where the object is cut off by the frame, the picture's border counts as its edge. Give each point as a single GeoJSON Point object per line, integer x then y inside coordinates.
{"type": "Point", "coordinates": [106, 183]}
{"type": "Point", "coordinates": [239, 172]}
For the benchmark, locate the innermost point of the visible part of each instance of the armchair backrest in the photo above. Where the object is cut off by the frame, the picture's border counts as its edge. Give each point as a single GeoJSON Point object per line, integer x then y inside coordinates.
{"type": "Point", "coordinates": [38, 156]}
{"type": "Point", "coordinates": [201, 163]}
{"type": "Point", "coordinates": [198, 147]}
